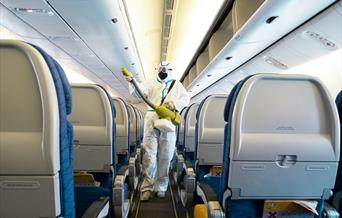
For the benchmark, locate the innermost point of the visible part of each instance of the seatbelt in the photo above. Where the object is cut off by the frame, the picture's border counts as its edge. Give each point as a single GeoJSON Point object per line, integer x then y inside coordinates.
{"type": "Point", "coordinates": [168, 91]}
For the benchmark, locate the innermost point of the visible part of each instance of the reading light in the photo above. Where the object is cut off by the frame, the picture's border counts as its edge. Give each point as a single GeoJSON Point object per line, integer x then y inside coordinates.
{"type": "Point", "coordinates": [275, 62]}
{"type": "Point", "coordinates": [114, 20]}
{"type": "Point", "coordinates": [33, 11]}
{"type": "Point", "coordinates": [317, 37]}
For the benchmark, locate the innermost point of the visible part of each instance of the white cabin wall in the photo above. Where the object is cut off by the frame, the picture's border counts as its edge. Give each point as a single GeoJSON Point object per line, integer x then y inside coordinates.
{"type": "Point", "coordinates": [327, 68]}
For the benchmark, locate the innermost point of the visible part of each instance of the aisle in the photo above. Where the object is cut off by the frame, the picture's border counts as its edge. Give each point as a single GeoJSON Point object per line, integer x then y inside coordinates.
{"type": "Point", "coordinates": [158, 207]}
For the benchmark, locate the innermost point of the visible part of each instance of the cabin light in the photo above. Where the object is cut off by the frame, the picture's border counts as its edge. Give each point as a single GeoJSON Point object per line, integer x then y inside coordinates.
{"type": "Point", "coordinates": [115, 20]}
{"type": "Point", "coordinates": [33, 11]}
{"type": "Point", "coordinates": [271, 19]}
{"type": "Point", "coordinates": [275, 62]}
{"type": "Point", "coordinates": [63, 38]}
{"type": "Point", "coordinates": [317, 37]}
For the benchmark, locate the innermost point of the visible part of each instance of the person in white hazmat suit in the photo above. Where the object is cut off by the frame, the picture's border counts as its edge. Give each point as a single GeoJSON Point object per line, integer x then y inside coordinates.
{"type": "Point", "coordinates": [159, 146]}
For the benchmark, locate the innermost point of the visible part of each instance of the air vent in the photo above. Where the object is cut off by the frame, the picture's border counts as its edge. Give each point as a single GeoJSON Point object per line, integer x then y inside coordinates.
{"type": "Point", "coordinates": [166, 27]}
{"type": "Point", "coordinates": [166, 32]}
{"type": "Point", "coordinates": [167, 20]}
{"type": "Point", "coordinates": [163, 57]}
{"type": "Point", "coordinates": [169, 4]}
{"type": "Point", "coordinates": [275, 62]}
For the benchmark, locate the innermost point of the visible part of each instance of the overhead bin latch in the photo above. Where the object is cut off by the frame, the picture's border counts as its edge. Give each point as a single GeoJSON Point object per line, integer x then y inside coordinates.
{"type": "Point", "coordinates": [286, 160]}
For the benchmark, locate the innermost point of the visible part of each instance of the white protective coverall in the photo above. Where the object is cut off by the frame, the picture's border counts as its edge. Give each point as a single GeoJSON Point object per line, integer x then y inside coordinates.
{"type": "Point", "coordinates": [159, 146]}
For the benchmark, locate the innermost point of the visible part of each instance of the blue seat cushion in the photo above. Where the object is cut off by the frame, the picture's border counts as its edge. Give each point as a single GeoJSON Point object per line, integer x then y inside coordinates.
{"type": "Point", "coordinates": [63, 91]}
{"type": "Point", "coordinates": [213, 181]}
{"type": "Point", "coordinates": [85, 196]}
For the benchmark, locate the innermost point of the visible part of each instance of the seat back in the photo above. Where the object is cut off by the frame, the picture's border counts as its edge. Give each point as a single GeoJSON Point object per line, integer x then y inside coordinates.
{"type": "Point", "coordinates": [210, 130]}
{"type": "Point", "coordinates": [93, 120]}
{"type": "Point", "coordinates": [141, 127]}
{"type": "Point", "coordinates": [137, 116]}
{"type": "Point", "coordinates": [283, 139]}
{"type": "Point", "coordinates": [189, 128]}
{"type": "Point", "coordinates": [35, 136]}
{"type": "Point", "coordinates": [180, 130]}
{"type": "Point", "coordinates": [122, 126]}
{"type": "Point", "coordinates": [338, 183]}
{"type": "Point", "coordinates": [133, 125]}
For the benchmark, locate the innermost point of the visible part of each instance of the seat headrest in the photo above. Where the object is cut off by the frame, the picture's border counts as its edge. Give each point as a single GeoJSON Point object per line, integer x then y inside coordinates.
{"type": "Point", "coordinates": [287, 124]}
{"type": "Point", "coordinates": [55, 67]}
{"type": "Point", "coordinates": [339, 105]}
{"type": "Point", "coordinates": [232, 95]}
{"type": "Point", "coordinates": [93, 115]}
{"type": "Point", "coordinates": [279, 104]}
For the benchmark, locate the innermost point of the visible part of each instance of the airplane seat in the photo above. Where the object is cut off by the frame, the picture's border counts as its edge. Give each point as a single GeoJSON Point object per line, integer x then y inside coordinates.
{"type": "Point", "coordinates": [93, 117]}
{"type": "Point", "coordinates": [336, 200]}
{"type": "Point", "coordinates": [189, 132]}
{"type": "Point", "coordinates": [123, 132]}
{"type": "Point", "coordinates": [138, 138]}
{"type": "Point", "coordinates": [186, 156]}
{"type": "Point", "coordinates": [36, 170]}
{"type": "Point", "coordinates": [209, 140]}
{"type": "Point", "coordinates": [175, 166]}
{"type": "Point", "coordinates": [122, 142]}
{"type": "Point", "coordinates": [281, 143]}
{"type": "Point", "coordinates": [133, 128]}
{"type": "Point", "coordinates": [208, 150]}
{"type": "Point", "coordinates": [180, 131]}
{"type": "Point", "coordinates": [136, 112]}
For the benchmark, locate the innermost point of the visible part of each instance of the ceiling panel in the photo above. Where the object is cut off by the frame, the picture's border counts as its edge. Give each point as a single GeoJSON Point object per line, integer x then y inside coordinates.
{"type": "Point", "coordinates": [39, 13]}
{"type": "Point", "coordinates": [146, 18]}
{"type": "Point", "coordinates": [93, 23]}
{"type": "Point", "coordinates": [96, 49]}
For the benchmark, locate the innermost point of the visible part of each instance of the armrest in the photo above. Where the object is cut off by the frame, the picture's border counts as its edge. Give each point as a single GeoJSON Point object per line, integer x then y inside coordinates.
{"type": "Point", "coordinates": [179, 166]}
{"type": "Point", "coordinates": [186, 188]}
{"type": "Point", "coordinates": [329, 211]}
{"type": "Point", "coordinates": [99, 208]}
{"type": "Point", "coordinates": [210, 200]}
{"type": "Point", "coordinates": [132, 177]}
{"type": "Point", "coordinates": [120, 200]}
{"type": "Point", "coordinates": [337, 201]}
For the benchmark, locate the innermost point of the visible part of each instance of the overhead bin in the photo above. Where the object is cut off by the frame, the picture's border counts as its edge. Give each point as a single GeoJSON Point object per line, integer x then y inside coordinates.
{"type": "Point", "coordinates": [242, 10]}
{"type": "Point", "coordinates": [186, 81]}
{"type": "Point", "coordinates": [202, 61]}
{"type": "Point", "coordinates": [221, 37]}
{"type": "Point", "coordinates": [192, 73]}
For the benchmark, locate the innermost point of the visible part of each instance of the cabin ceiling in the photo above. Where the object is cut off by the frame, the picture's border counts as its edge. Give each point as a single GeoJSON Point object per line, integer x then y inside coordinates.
{"type": "Point", "coordinates": [103, 35]}
{"type": "Point", "coordinates": [92, 34]}
{"type": "Point", "coordinates": [191, 20]}
{"type": "Point", "coordinates": [146, 19]}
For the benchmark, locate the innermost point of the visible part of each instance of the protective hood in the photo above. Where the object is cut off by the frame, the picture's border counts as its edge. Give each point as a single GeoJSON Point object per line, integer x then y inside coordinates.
{"type": "Point", "coordinates": [164, 71]}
